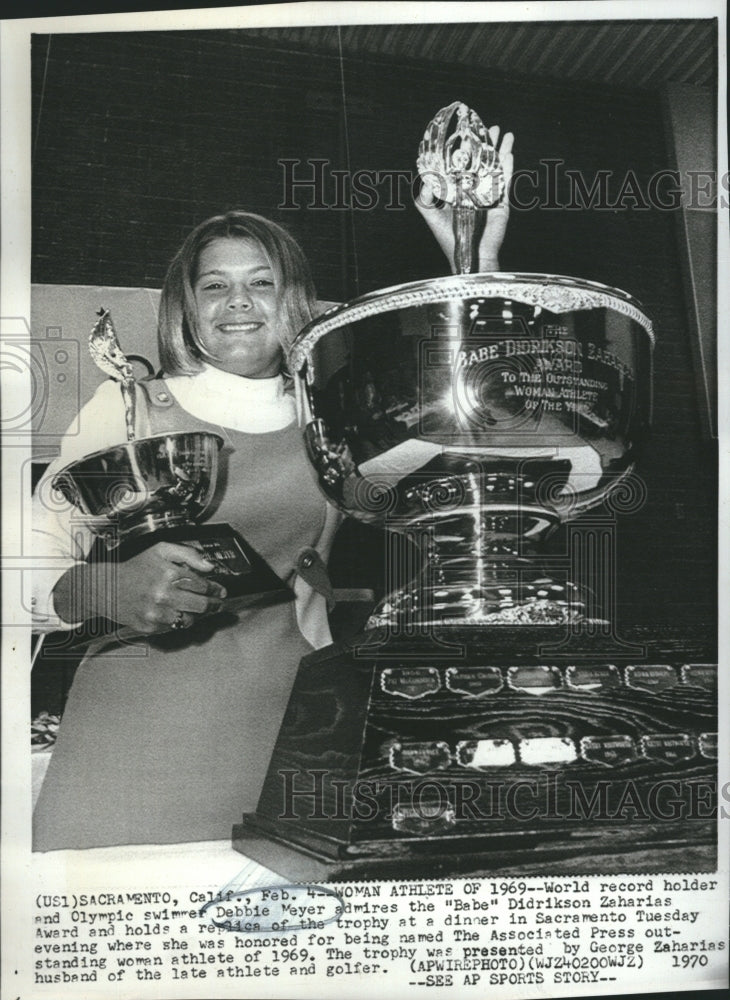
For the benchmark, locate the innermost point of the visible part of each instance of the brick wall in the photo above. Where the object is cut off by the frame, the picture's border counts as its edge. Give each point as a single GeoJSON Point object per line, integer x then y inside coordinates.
{"type": "Point", "coordinates": [139, 136]}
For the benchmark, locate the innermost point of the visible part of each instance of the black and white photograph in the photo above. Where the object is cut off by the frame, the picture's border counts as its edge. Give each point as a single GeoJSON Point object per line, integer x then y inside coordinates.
{"type": "Point", "coordinates": [362, 545]}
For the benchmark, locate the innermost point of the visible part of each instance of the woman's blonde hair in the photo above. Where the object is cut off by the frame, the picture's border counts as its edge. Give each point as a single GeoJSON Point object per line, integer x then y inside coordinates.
{"type": "Point", "coordinates": [178, 334]}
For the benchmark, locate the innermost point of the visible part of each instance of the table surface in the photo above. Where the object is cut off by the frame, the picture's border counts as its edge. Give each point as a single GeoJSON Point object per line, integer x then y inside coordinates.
{"type": "Point", "coordinates": [216, 862]}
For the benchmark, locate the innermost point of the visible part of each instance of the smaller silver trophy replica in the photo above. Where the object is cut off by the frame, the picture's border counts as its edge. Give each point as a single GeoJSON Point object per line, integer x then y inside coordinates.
{"type": "Point", "coordinates": [146, 489]}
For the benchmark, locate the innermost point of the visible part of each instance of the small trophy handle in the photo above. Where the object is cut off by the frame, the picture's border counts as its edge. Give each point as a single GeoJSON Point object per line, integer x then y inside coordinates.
{"type": "Point", "coordinates": [110, 358]}
{"type": "Point", "coordinates": [130, 409]}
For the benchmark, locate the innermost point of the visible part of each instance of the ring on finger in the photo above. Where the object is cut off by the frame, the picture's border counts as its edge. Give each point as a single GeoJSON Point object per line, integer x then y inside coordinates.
{"type": "Point", "coordinates": [179, 621]}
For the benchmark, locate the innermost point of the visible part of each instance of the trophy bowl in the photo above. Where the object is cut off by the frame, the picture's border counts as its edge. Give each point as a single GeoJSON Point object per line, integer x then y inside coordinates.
{"type": "Point", "coordinates": [473, 414]}
{"type": "Point", "coordinates": [139, 487]}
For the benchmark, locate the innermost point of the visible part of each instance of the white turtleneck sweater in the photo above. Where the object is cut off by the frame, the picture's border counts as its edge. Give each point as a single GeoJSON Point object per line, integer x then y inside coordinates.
{"type": "Point", "coordinates": [254, 406]}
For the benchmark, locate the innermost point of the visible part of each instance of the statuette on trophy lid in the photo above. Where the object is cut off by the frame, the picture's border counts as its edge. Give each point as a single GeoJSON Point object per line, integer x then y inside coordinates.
{"type": "Point", "coordinates": [459, 161]}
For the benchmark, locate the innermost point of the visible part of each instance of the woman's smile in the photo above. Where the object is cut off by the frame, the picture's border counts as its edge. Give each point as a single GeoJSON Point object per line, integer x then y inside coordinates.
{"type": "Point", "coordinates": [239, 327]}
{"type": "Point", "coordinates": [238, 308]}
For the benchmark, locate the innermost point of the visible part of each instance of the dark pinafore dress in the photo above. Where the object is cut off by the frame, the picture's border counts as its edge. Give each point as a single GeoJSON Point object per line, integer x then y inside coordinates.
{"type": "Point", "coordinates": [167, 740]}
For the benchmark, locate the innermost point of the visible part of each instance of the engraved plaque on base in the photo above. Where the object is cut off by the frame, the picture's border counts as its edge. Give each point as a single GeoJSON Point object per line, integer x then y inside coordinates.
{"type": "Point", "coordinates": [452, 782]}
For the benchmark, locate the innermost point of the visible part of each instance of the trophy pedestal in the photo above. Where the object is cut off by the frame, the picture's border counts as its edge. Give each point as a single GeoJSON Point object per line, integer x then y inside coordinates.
{"type": "Point", "coordinates": [469, 750]}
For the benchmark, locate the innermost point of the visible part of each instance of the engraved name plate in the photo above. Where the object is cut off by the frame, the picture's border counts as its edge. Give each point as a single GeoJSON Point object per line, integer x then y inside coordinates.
{"type": "Point", "coordinates": [485, 753]}
{"type": "Point", "coordinates": [669, 747]}
{"type": "Point", "coordinates": [707, 743]}
{"type": "Point", "coordinates": [427, 819]}
{"type": "Point", "coordinates": [607, 750]}
{"type": "Point", "coordinates": [700, 675]}
{"type": "Point", "coordinates": [475, 682]}
{"type": "Point", "coordinates": [653, 677]}
{"type": "Point", "coordinates": [534, 680]}
{"type": "Point", "coordinates": [547, 750]}
{"type": "Point", "coordinates": [420, 757]}
{"type": "Point", "coordinates": [593, 677]}
{"type": "Point", "coordinates": [410, 682]}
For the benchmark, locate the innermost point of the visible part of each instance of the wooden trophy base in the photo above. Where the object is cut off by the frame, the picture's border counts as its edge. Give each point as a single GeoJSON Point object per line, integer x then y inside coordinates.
{"type": "Point", "coordinates": [474, 750]}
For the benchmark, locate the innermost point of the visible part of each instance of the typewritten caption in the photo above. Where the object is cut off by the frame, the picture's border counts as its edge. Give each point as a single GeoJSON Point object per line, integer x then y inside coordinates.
{"type": "Point", "coordinates": [510, 933]}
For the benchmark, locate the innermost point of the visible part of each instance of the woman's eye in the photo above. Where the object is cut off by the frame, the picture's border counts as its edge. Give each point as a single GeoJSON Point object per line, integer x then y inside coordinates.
{"type": "Point", "coordinates": [263, 283]}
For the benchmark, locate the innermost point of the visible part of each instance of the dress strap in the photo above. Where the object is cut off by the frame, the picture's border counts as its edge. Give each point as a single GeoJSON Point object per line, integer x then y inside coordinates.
{"type": "Point", "coordinates": [153, 398]}
{"type": "Point", "coordinates": [311, 568]}
{"type": "Point", "coordinates": [156, 393]}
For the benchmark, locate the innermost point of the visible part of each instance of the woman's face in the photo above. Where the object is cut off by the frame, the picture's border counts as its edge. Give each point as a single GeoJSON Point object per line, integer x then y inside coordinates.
{"type": "Point", "coordinates": [238, 308]}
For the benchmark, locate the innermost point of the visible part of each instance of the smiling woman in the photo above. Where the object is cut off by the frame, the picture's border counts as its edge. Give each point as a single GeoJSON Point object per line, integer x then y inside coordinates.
{"type": "Point", "coordinates": [140, 757]}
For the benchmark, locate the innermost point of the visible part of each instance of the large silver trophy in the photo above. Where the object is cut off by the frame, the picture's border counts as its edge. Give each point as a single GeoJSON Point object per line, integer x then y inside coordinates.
{"type": "Point", "coordinates": [475, 413]}
{"type": "Point", "coordinates": [470, 416]}
{"type": "Point", "coordinates": [156, 487]}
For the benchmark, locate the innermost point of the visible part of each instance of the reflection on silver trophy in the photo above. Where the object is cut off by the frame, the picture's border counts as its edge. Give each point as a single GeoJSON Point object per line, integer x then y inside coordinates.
{"type": "Point", "coordinates": [475, 413]}
{"type": "Point", "coordinates": [140, 487]}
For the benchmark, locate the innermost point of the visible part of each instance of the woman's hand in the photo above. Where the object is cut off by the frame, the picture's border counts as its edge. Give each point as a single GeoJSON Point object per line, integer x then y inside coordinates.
{"type": "Point", "coordinates": [163, 586]}
{"type": "Point", "coordinates": [439, 216]}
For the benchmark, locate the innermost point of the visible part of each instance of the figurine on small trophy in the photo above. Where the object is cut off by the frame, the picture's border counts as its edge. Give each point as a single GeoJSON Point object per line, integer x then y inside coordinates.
{"type": "Point", "coordinates": [513, 403]}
